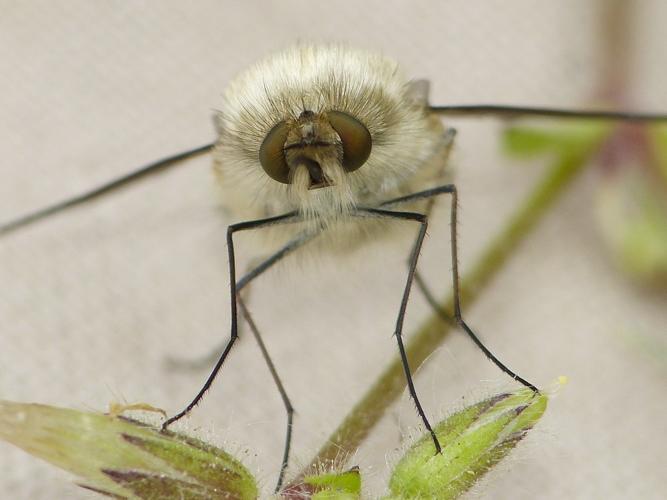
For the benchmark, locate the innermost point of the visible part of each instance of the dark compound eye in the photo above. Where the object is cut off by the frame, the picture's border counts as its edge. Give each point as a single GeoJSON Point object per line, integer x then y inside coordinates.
{"type": "Point", "coordinates": [356, 138]}
{"type": "Point", "coordinates": [272, 155]}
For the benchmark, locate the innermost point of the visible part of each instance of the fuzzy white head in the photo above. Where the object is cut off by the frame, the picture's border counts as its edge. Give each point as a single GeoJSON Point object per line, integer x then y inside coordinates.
{"type": "Point", "coordinates": [321, 129]}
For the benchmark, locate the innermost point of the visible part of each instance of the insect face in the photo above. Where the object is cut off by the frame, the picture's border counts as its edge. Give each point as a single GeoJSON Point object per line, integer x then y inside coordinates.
{"type": "Point", "coordinates": [332, 128]}
{"type": "Point", "coordinates": [298, 152]}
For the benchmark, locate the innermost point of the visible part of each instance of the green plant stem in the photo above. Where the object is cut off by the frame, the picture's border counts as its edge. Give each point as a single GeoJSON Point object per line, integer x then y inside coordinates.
{"type": "Point", "coordinates": [391, 383]}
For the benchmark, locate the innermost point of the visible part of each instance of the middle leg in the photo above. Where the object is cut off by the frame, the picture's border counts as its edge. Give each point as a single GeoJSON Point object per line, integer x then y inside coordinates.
{"type": "Point", "coordinates": [398, 332]}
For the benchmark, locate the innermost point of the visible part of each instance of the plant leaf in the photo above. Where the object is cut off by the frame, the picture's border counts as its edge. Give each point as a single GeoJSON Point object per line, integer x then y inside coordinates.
{"type": "Point", "coordinates": [123, 458]}
{"type": "Point", "coordinates": [473, 440]}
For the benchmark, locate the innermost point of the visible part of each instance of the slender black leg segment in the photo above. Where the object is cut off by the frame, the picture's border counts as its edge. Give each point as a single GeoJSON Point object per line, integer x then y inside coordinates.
{"type": "Point", "coordinates": [289, 247]}
{"type": "Point", "coordinates": [107, 188]}
{"type": "Point", "coordinates": [420, 195]}
{"type": "Point", "coordinates": [451, 189]}
{"type": "Point", "coordinates": [281, 388]}
{"type": "Point", "coordinates": [432, 301]}
{"type": "Point", "coordinates": [414, 257]}
{"type": "Point", "coordinates": [419, 280]}
{"type": "Point", "coordinates": [241, 226]}
{"type": "Point", "coordinates": [518, 111]}
{"type": "Point", "coordinates": [295, 243]}
{"type": "Point", "coordinates": [457, 298]}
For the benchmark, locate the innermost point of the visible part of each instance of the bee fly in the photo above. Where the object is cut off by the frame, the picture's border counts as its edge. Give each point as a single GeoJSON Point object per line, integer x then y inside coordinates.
{"type": "Point", "coordinates": [315, 142]}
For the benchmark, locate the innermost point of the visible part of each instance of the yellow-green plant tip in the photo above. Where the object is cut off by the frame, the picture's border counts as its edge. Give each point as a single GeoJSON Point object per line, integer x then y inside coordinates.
{"type": "Point", "coordinates": [327, 486]}
{"type": "Point", "coordinates": [473, 440]}
{"type": "Point", "coordinates": [123, 458]}
{"type": "Point", "coordinates": [334, 485]}
{"type": "Point", "coordinates": [335, 495]}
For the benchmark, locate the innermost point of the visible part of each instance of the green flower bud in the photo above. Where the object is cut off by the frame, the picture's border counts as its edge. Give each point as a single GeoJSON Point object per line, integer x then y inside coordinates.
{"type": "Point", "coordinates": [473, 440]}
{"type": "Point", "coordinates": [327, 486]}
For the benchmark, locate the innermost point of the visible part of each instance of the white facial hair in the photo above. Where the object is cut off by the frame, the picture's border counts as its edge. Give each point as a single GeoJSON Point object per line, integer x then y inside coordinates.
{"type": "Point", "coordinates": [333, 201]}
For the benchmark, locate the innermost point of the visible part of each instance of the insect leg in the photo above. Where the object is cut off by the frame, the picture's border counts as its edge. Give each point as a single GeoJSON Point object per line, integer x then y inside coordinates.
{"type": "Point", "coordinates": [289, 247]}
{"type": "Point", "coordinates": [522, 111]}
{"type": "Point", "coordinates": [295, 243]}
{"type": "Point", "coordinates": [241, 226]}
{"type": "Point", "coordinates": [430, 195]}
{"type": "Point", "coordinates": [451, 189]}
{"type": "Point", "coordinates": [430, 298]}
{"type": "Point", "coordinates": [108, 187]}
{"type": "Point", "coordinates": [448, 142]}
{"type": "Point", "coordinates": [414, 257]}
{"type": "Point", "coordinates": [281, 388]}
{"type": "Point", "coordinates": [298, 241]}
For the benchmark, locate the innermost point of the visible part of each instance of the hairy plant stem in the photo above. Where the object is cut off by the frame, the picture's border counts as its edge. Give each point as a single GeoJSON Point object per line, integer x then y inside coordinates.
{"type": "Point", "coordinates": [390, 385]}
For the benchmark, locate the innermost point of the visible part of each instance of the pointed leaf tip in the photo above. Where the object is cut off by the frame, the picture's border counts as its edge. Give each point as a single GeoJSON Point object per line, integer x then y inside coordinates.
{"type": "Point", "coordinates": [473, 440]}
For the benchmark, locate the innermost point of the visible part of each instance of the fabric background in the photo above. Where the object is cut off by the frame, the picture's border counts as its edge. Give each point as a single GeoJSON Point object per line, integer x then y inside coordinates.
{"type": "Point", "coordinates": [93, 302]}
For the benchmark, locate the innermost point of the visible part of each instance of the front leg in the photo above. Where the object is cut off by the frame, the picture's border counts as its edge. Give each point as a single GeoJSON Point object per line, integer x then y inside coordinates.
{"type": "Point", "coordinates": [234, 228]}
{"type": "Point", "coordinates": [414, 257]}
{"type": "Point", "coordinates": [458, 317]}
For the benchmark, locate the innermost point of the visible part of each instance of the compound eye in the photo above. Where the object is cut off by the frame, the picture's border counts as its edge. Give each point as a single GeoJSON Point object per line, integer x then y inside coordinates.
{"type": "Point", "coordinates": [272, 154]}
{"type": "Point", "coordinates": [356, 139]}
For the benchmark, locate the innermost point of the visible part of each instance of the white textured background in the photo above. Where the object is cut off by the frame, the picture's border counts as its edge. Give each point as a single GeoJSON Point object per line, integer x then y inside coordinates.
{"type": "Point", "coordinates": [94, 301]}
